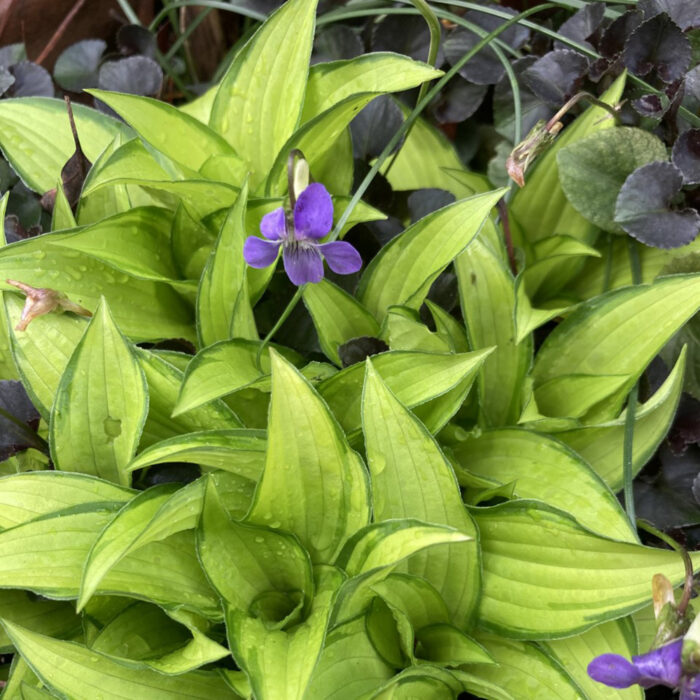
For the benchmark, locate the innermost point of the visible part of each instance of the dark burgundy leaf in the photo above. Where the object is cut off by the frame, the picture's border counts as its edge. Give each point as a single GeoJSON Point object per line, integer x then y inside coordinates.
{"type": "Point", "coordinates": [615, 36]}
{"type": "Point", "coordinates": [686, 156]}
{"type": "Point", "coordinates": [644, 207]}
{"type": "Point", "coordinates": [658, 44]}
{"type": "Point", "coordinates": [11, 54]}
{"type": "Point", "coordinates": [136, 75]}
{"type": "Point", "coordinates": [685, 13]}
{"type": "Point", "coordinates": [133, 39]}
{"type": "Point", "coordinates": [170, 473]}
{"type": "Point", "coordinates": [444, 292]}
{"type": "Point", "coordinates": [686, 425]}
{"type": "Point", "coordinates": [76, 68]}
{"type": "Point", "coordinates": [458, 101]}
{"type": "Point", "coordinates": [484, 68]}
{"type": "Point", "coordinates": [582, 24]}
{"type": "Point", "coordinates": [691, 86]}
{"type": "Point", "coordinates": [374, 126]}
{"type": "Point", "coordinates": [6, 80]}
{"type": "Point", "coordinates": [75, 170]}
{"type": "Point", "coordinates": [515, 36]}
{"type": "Point", "coordinates": [14, 231]}
{"type": "Point", "coordinates": [406, 35]}
{"type": "Point", "coordinates": [424, 202]}
{"type": "Point", "coordinates": [24, 204]}
{"type": "Point", "coordinates": [556, 76]}
{"type": "Point", "coordinates": [358, 349]}
{"type": "Point", "coordinates": [31, 80]}
{"type": "Point", "coordinates": [336, 43]}
{"type": "Point", "coordinates": [653, 106]}
{"type": "Point", "coordinates": [18, 420]}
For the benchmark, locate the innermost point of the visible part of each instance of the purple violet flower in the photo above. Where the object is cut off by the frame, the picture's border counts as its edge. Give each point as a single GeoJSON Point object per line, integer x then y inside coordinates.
{"type": "Point", "coordinates": [301, 251]}
{"type": "Point", "coordinates": [660, 666]}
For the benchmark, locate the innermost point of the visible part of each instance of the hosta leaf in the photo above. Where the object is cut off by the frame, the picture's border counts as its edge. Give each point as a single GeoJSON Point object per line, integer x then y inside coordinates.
{"type": "Point", "coordinates": [411, 261]}
{"type": "Point", "coordinates": [36, 139]}
{"type": "Point", "coordinates": [101, 404]}
{"type": "Point", "coordinates": [412, 479]}
{"type": "Point", "coordinates": [545, 576]}
{"type": "Point", "coordinates": [640, 319]}
{"type": "Point", "coordinates": [414, 377]}
{"type": "Point", "coordinates": [602, 445]}
{"type": "Point", "coordinates": [333, 81]}
{"type": "Point", "coordinates": [426, 681]}
{"type": "Point", "coordinates": [337, 316]}
{"type": "Point", "coordinates": [313, 484]}
{"type": "Point", "coordinates": [167, 129]}
{"type": "Point", "coordinates": [74, 671]}
{"type": "Point", "coordinates": [241, 452]}
{"type": "Point", "coordinates": [546, 469]}
{"type": "Point", "coordinates": [223, 304]}
{"type": "Point", "coordinates": [487, 296]}
{"type": "Point", "coordinates": [246, 109]}
{"type": "Point", "coordinates": [575, 653]}
{"type": "Point", "coordinates": [24, 497]}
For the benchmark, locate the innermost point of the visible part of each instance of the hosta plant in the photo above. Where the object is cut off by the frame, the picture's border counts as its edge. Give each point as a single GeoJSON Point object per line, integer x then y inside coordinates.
{"type": "Point", "coordinates": [397, 501]}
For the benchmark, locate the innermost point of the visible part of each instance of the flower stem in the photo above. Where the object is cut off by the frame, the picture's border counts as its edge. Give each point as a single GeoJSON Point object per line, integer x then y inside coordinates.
{"type": "Point", "coordinates": [285, 315]}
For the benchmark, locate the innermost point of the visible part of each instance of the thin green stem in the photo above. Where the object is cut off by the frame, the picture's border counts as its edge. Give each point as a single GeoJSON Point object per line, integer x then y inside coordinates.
{"type": "Point", "coordinates": [415, 113]}
{"type": "Point", "coordinates": [285, 315]}
{"type": "Point", "coordinates": [129, 11]}
{"type": "Point", "coordinates": [213, 4]}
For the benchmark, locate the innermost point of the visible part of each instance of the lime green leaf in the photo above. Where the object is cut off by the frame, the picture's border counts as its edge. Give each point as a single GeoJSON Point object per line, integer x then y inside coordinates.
{"type": "Point", "coordinates": [575, 653]}
{"type": "Point", "coordinates": [101, 404]}
{"type": "Point", "coordinates": [331, 82]}
{"type": "Point", "coordinates": [24, 497]}
{"type": "Point", "coordinates": [164, 382]}
{"type": "Point", "coordinates": [449, 328]}
{"type": "Point", "coordinates": [77, 672]}
{"type": "Point", "coordinates": [337, 316]}
{"type": "Point", "coordinates": [259, 100]}
{"type": "Point", "coordinates": [426, 681]}
{"type": "Point", "coordinates": [405, 331]}
{"type": "Point", "coordinates": [36, 139]}
{"type": "Point", "coordinates": [414, 377]}
{"type": "Point", "coordinates": [404, 268]}
{"type": "Point", "coordinates": [546, 576]}
{"type": "Point", "coordinates": [62, 215]}
{"type": "Point", "coordinates": [639, 319]}
{"type": "Point", "coordinates": [544, 468]}
{"type": "Point", "coordinates": [593, 169]}
{"type": "Point", "coordinates": [602, 445]}
{"type": "Point", "coordinates": [30, 692]}
{"type": "Point", "coordinates": [527, 317]}
{"type": "Point", "coordinates": [168, 129]}
{"type": "Point", "coordinates": [573, 395]}
{"type": "Point", "coordinates": [487, 296]}
{"type": "Point", "coordinates": [223, 303]}
{"type": "Point", "coordinates": [411, 478]}
{"type": "Point", "coordinates": [445, 645]}
{"type": "Point", "coordinates": [21, 676]}
{"type": "Point", "coordinates": [241, 452]}
{"type": "Point", "coordinates": [313, 484]}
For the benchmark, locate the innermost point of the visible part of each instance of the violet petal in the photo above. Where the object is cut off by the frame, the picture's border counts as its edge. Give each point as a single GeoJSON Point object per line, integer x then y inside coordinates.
{"type": "Point", "coordinates": [660, 666]}
{"type": "Point", "coordinates": [260, 253]}
{"type": "Point", "coordinates": [613, 670]}
{"type": "Point", "coordinates": [341, 257]}
{"type": "Point", "coordinates": [690, 688]}
{"type": "Point", "coordinates": [272, 225]}
{"type": "Point", "coordinates": [313, 212]}
{"type": "Point", "coordinates": [302, 263]}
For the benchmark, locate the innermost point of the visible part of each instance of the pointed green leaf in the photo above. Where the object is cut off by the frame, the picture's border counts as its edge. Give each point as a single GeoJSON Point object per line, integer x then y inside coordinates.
{"type": "Point", "coordinates": [405, 331]}
{"type": "Point", "coordinates": [62, 215]}
{"type": "Point", "coordinates": [412, 479]}
{"type": "Point", "coordinates": [445, 645]}
{"type": "Point", "coordinates": [258, 103]}
{"type": "Point", "coordinates": [403, 268]}
{"type": "Point", "coordinates": [449, 328]}
{"type": "Point", "coordinates": [100, 405]}
{"type": "Point", "coordinates": [426, 681]}
{"type": "Point", "coordinates": [573, 395]}
{"type": "Point", "coordinates": [74, 671]}
{"type": "Point", "coordinates": [544, 468]}
{"type": "Point", "coordinates": [313, 484]}
{"type": "Point", "coordinates": [547, 576]}
{"type": "Point", "coordinates": [223, 304]}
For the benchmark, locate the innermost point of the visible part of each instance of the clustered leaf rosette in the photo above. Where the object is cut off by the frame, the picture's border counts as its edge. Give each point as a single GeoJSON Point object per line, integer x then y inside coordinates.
{"type": "Point", "coordinates": [299, 234]}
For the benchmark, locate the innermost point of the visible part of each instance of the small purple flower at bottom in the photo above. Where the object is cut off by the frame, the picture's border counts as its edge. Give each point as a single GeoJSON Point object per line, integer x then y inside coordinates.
{"type": "Point", "coordinates": [660, 666]}
{"type": "Point", "coordinates": [301, 251]}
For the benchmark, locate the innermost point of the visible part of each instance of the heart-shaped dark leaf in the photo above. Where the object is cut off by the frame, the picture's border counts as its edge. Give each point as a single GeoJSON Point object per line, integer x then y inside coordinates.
{"type": "Point", "coordinates": [11, 54]}
{"type": "Point", "coordinates": [484, 68]}
{"type": "Point", "coordinates": [424, 202]}
{"type": "Point", "coordinates": [336, 43]}
{"type": "Point", "coordinates": [136, 75]}
{"type": "Point", "coordinates": [31, 80]}
{"type": "Point", "coordinates": [644, 207]}
{"type": "Point", "coordinates": [615, 36]}
{"type": "Point", "coordinates": [407, 35]}
{"type": "Point", "coordinates": [14, 231]}
{"type": "Point", "coordinates": [582, 24]}
{"type": "Point", "coordinates": [75, 170]}
{"type": "Point", "coordinates": [458, 101]}
{"type": "Point", "coordinates": [686, 156]}
{"type": "Point", "coordinates": [6, 80]}
{"type": "Point", "coordinates": [556, 76]}
{"type": "Point", "coordinates": [76, 68]}
{"type": "Point", "coordinates": [533, 109]}
{"type": "Point", "coordinates": [685, 13]}
{"type": "Point", "coordinates": [358, 349]}
{"type": "Point", "coordinates": [658, 44]}
{"type": "Point", "coordinates": [374, 127]}
{"type": "Point", "coordinates": [18, 420]}
{"type": "Point", "coordinates": [691, 85]}
{"type": "Point", "coordinates": [651, 106]}
{"type": "Point", "coordinates": [515, 36]}
{"type": "Point", "coordinates": [133, 39]}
